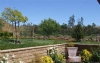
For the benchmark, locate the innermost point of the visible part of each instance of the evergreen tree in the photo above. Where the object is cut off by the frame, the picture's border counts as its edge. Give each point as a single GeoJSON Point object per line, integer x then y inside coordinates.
{"type": "Point", "coordinates": [78, 32]}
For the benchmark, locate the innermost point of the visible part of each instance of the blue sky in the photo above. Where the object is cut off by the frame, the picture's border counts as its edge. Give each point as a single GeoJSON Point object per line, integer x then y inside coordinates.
{"type": "Point", "coordinates": [59, 10]}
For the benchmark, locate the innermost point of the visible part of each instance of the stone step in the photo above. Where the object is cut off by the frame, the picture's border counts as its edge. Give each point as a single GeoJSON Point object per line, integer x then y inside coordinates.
{"type": "Point", "coordinates": [74, 59]}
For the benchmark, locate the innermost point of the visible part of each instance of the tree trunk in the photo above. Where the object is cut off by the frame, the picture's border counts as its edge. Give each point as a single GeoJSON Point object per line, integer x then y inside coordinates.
{"type": "Point", "coordinates": [15, 30]}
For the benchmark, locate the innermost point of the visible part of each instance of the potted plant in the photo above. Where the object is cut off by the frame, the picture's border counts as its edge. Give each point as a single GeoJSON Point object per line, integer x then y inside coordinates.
{"type": "Point", "coordinates": [71, 49]}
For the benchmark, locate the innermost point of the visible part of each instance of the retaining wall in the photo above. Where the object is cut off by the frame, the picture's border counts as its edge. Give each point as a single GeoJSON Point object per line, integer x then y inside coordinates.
{"type": "Point", "coordinates": [27, 54]}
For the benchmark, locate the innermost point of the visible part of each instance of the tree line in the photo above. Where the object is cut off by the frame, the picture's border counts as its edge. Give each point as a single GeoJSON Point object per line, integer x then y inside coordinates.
{"type": "Point", "coordinates": [48, 26]}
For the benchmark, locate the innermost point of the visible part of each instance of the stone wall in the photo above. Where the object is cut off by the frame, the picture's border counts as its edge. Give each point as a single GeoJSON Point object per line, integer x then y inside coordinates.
{"type": "Point", "coordinates": [86, 46]}
{"type": "Point", "coordinates": [27, 54]}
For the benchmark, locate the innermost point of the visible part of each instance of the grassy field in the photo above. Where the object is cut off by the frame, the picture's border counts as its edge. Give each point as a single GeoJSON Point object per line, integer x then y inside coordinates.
{"type": "Point", "coordinates": [31, 43]}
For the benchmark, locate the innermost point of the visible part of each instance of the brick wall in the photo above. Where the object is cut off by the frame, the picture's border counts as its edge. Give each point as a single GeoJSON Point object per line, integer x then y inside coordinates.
{"type": "Point", "coordinates": [27, 54]}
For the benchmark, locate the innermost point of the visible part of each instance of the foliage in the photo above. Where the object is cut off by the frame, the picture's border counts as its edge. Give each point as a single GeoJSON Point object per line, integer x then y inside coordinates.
{"type": "Point", "coordinates": [14, 16]}
{"type": "Point", "coordinates": [86, 55]}
{"type": "Point", "coordinates": [49, 27]}
{"type": "Point", "coordinates": [29, 31]}
{"type": "Point", "coordinates": [57, 58]}
{"type": "Point", "coordinates": [91, 29]}
{"type": "Point", "coordinates": [61, 58]}
{"type": "Point", "coordinates": [78, 32]}
{"type": "Point", "coordinates": [5, 35]}
{"type": "Point", "coordinates": [37, 58]}
{"type": "Point", "coordinates": [70, 45]}
{"type": "Point", "coordinates": [95, 54]}
{"type": "Point", "coordinates": [80, 21]}
{"type": "Point", "coordinates": [46, 59]}
{"type": "Point", "coordinates": [71, 21]}
{"type": "Point", "coordinates": [64, 28]}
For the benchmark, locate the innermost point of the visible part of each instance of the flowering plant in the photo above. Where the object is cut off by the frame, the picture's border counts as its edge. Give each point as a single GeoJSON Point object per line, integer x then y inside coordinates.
{"type": "Point", "coordinates": [5, 59]}
{"type": "Point", "coordinates": [57, 58]}
{"type": "Point", "coordinates": [86, 55]}
{"type": "Point", "coordinates": [46, 59]}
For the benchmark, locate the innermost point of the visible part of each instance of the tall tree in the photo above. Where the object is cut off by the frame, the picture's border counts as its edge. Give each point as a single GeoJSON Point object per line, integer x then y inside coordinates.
{"type": "Point", "coordinates": [63, 28]}
{"type": "Point", "coordinates": [93, 25]}
{"type": "Point", "coordinates": [30, 29]}
{"type": "Point", "coordinates": [89, 29]}
{"type": "Point", "coordinates": [35, 28]}
{"type": "Point", "coordinates": [71, 21]}
{"type": "Point", "coordinates": [78, 32]}
{"type": "Point", "coordinates": [49, 27]}
{"type": "Point", "coordinates": [15, 17]}
{"type": "Point", "coordinates": [80, 21]}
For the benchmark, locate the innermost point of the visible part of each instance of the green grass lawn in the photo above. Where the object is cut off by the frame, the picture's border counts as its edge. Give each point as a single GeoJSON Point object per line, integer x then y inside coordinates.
{"type": "Point", "coordinates": [31, 43]}
{"type": "Point", "coordinates": [28, 43]}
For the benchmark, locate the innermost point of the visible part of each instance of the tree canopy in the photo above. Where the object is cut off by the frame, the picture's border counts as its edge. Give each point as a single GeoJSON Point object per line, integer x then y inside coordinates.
{"type": "Point", "coordinates": [49, 27]}
{"type": "Point", "coordinates": [78, 32]}
{"type": "Point", "coordinates": [71, 21]}
{"type": "Point", "coordinates": [14, 17]}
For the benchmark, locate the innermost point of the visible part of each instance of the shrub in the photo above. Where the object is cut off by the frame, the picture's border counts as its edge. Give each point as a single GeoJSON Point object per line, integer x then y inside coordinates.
{"type": "Point", "coordinates": [95, 54]}
{"type": "Point", "coordinates": [57, 58]}
{"type": "Point", "coordinates": [86, 55]}
{"type": "Point", "coordinates": [46, 59]}
{"type": "Point", "coordinates": [5, 35]}
{"type": "Point", "coordinates": [70, 44]}
{"type": "Point", "coordinates": [60, 58]}
{"type": "Point", "coordinates": [37, 58]}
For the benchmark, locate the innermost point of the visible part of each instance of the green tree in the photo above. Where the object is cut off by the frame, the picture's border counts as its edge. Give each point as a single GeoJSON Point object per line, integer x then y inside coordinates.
{"type": "Point", "coordinates": [93, 25]}
{"type": "Point", "coordinates": [71, 21]}
{"type": "Point", "coordinates": [14, 16]}
{"type": "Point", "coordinates": [78, 32]}
{"type": "Point", "coordinates": [49, 27]}
{"type": "Point", "coordinates": [80, 21]}
{"type": "Point", "coordinates": [35, 28]}
{"type": "Point", "coordinates": [63, 28]}
{"type": "Point", "coordinates": [88, 30]}
{"type": "Point", "coordinates": [27, 30]}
